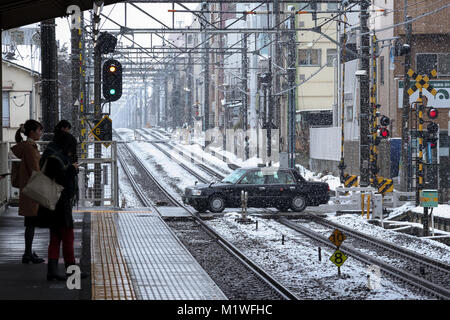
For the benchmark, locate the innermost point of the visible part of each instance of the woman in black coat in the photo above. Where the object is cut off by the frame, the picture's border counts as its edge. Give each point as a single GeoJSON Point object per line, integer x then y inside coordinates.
{"type": "Point", "coordinates": [55, 163]}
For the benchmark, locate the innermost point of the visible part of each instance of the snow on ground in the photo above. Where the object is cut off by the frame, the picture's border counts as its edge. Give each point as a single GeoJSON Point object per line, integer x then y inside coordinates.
{"type": "Point", "coordinates": [174, 175]}
{"type": "Point", "coordinates": [443, 210]}
{"type": "Point", "coordinates": [297, 254]}
{"type": "Point", "coordinates": [427, 247]}
{"type": "Point", "coordinates": [164, 169]}
{"type": "Point", "coordinates": [296, 263]}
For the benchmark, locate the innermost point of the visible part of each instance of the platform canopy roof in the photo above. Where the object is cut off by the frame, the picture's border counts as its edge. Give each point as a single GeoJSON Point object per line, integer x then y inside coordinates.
{"type": "Point", "coordinates": [16, 13]}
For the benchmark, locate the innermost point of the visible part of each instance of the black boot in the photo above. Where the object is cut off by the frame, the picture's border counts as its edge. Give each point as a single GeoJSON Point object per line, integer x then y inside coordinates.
{"type": "Point", "coordinates": [33, 257]}
{"type": "Point", "coordinates": [83, 274]}
{"type": "Point", "coordinates": [52, 271]}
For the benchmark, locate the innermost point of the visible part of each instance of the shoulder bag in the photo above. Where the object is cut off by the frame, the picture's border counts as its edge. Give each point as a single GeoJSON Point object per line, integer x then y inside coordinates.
{"type": "Point", "coordinates": [42, 189]}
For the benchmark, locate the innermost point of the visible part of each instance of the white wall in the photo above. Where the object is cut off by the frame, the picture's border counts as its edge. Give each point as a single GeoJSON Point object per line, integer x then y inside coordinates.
{"type": "Point", "coordinates": [325, 143]}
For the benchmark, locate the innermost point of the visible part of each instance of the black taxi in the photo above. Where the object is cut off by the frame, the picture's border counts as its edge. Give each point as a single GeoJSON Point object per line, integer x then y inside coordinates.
{"type": "Point", "coordinates": [283, 189]}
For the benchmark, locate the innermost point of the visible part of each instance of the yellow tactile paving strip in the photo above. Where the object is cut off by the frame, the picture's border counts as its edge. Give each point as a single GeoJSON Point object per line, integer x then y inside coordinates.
{"type": "Point", "coordinates": [110, 275]}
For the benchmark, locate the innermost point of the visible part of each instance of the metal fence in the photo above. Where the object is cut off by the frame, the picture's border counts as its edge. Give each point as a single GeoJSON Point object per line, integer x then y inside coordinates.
{"type": "Point", "coordinates": [97, 179]}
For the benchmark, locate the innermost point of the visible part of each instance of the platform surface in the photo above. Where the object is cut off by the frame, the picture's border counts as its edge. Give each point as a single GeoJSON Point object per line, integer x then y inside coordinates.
{"type": "Point", "coordinates": [133, 255]}
{"type": "Point", "coordinates": [28, 281]}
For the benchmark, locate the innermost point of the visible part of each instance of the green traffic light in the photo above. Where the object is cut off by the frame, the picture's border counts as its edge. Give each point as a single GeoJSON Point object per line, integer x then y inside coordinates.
{"type": "Point", "coordinates": [112, 91]}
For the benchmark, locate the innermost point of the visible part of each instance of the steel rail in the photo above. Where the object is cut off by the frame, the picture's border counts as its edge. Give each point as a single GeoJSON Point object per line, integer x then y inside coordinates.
{"type": "Point", "coordinates": [193, 160]}
{"type": "Point", "coordinates": [406, 253]}
{"type": "Point", "coordinates": [422, 284]}
{"type": "Point", "coordinates": [235, 252]}
{"type": "Point", "coordinates": [185, 167]}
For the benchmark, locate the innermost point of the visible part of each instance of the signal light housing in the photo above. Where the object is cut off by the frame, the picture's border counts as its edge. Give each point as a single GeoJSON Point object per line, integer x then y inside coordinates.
{"type": "Point", "coordinates": [432, 113]}
{"type": "Point", "coordinates": [112, 80]}
{"type": "Point", "coordinates": [384, 133]}
{"type": "Point", "coordinates": [385, 121]}
{"type": "Point", "coordinates": [432, 127]}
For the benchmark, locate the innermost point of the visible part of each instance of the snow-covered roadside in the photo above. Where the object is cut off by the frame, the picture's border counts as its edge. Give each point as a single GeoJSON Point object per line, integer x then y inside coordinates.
{"type": "Point", "coordinates": [427, 247]}
{"type": "Point", "coordinates": [296, 263]}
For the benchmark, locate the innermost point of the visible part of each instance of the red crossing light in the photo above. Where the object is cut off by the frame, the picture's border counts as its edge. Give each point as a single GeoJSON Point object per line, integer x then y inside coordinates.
{"type": "Point", "coordinates": [433, 113]}
{"type": "Point", "coordinates": [384, 132]}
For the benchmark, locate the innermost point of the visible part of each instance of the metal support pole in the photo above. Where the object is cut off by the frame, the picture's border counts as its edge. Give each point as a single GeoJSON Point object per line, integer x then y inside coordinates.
{"type": "Point", "coordinates": [292, 58]}
{"type": "Point", "coordinates": [245, 92]}
{"type": "Point", "coordinates": [76, 77]}
{"type": "Point", "coordinates": [404, 176]}
{"type": "Point", "coordinates": [49, 96]}
{"type": "Point", "coordinates": [269, 114]}
{"type": "Point", "coordinates": [364, 95]}
{"type": "Point", "coordinates": [1, 100]}
{"type": "Point", "coordinates": [205, 71]}
{"type": "Point", "coordinates": [341, 62]}
{"type": "Point", "coordinates": [373, 116]}
{"type": "Point", "coordinates": [97, 118]}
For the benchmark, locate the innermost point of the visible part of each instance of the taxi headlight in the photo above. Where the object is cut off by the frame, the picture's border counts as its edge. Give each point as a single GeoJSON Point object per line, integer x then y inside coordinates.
{"type": "Point", "coordinates": [196, 192]}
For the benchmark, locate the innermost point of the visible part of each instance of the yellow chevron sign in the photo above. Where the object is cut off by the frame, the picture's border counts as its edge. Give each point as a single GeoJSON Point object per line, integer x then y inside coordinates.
{"type": "Point", "coordinates": [385, 185]}
{"type": "Point", "coordinates": [350, 180]}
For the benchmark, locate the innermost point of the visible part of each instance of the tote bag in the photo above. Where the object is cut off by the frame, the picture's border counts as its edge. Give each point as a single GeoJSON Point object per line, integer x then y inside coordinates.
{"type": "Point", "coordinates": [42, 189]}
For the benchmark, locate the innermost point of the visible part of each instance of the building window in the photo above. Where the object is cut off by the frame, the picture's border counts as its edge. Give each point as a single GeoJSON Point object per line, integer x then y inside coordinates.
{"type": "Point", "coordinates": [5, 114]}
{"type": "Point", "coordinates": [349, 113]}
{"type": "Point", "coordinates": [309, 57]}
{"type": "Point", "coordinates": [425, 62]}
{"type": "Point", "coordinates": [304, 6]}
{"type": "Point", "coordinates": [381, 71]}
{"type": "Point", "coordinates": [332, 6]}
{"type": "Point", "coordinates": [444, 64]}
{"type": "Point", "coordinates": [301, 77]}
{"type": "Point", "coordinates": [331, 55]}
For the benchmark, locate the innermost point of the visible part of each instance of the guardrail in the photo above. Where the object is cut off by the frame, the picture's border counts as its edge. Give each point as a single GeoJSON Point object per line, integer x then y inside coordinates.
{"type": "Point", "coordinates": [104, 193]}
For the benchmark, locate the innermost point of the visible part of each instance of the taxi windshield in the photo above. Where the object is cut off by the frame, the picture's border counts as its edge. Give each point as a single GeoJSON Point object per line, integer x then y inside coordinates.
{"type": "Point", "coordinates": [234, 176]}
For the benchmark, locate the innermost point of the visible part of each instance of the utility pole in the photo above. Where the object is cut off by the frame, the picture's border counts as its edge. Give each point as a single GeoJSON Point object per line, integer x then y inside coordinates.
{"type": "Point", "coordinates": [245, 93]}
{"type": "Point", "coordinates": [97, 117]}
{"type": "Point", "coordinates": [364, 95]}
{"type": "Point", "coordinates": [76, 78]}
{"type": "Point", "coordinates": [145, 103]}
{"type": "Point", "coordinates": [49, 97]}
{"type": "Point", "coordinates": [405, 179]}
{"type": "Point", "coordinates": [205, 71]}
{"type": "Point", "coordinates": [291, 69]}
{"type": "Point", "coordinates": [269, 114]}
{"type": "Point", "coordinates": [277, 60]}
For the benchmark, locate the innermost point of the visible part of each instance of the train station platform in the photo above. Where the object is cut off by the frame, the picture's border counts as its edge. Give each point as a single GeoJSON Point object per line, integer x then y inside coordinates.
{"type": "Point", "coordinates": [131, 254]}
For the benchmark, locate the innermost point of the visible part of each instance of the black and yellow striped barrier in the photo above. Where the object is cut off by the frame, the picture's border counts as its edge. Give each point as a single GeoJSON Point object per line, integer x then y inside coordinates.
{"type": "Point", "coordinates": [350, 180]}
{"type": "Point", "coordinates": [385, 185]}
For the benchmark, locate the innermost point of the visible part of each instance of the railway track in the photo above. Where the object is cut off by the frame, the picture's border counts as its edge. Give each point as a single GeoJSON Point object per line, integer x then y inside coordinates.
{"type": "Point", "coordinates": [403, 271]}
{"type": "Point", "coordinates": [262, 275]}
{"type": "Point", "coordinates": [202, 163]}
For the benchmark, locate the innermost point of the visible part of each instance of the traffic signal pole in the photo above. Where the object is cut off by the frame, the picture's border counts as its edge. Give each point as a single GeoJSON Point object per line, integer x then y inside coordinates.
{"type": "Point", "coordinates": [405, 184]}
{"type": "Point", "coordinates": [364, 96]}
{"type": "Point", "coordinates": [97, 117]}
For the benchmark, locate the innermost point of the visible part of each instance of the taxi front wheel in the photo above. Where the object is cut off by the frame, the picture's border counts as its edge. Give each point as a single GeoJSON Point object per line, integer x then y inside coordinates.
{"type": "Point", "coordinates": [298, 204]}
{"type": "Point", "coordinates": [216, 204]}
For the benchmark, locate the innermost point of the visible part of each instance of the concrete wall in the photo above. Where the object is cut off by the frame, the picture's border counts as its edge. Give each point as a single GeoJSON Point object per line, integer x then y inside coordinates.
{"type": "Point", "coordinates": [24, 100]}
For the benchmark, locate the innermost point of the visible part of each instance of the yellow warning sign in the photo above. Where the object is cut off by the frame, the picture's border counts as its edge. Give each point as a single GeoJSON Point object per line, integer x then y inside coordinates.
{"type": "Point", "coordinates": [338, 258]}
{"type": "Point", "coordinates": [337, 237]}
